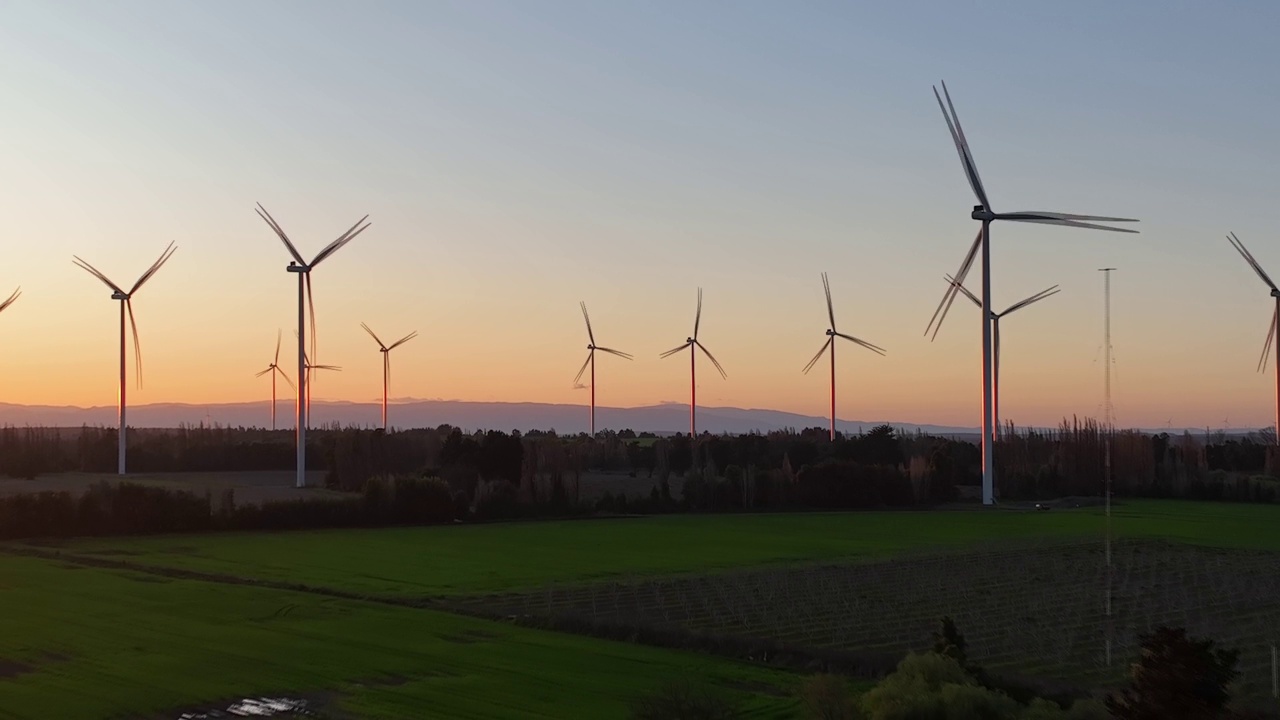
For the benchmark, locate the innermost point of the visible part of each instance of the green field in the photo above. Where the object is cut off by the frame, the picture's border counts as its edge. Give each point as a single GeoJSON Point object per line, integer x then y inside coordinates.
{"type": "Point", "coordinates": [482, 558]}
{"type": "Point", "coordinates": [88, 642]}
{"type": "Point", "coordinates": [92, 643]}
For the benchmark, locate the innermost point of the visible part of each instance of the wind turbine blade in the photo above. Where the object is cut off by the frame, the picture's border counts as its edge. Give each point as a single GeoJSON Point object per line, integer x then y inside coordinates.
{"type": "Point", "coordinates": [1266, 346]}
{"type": "Point", "coordinates": [4, 305]}
{"type": "Point", "coordinates": [286, 379]}
{"type": "Point", "coordinates": [402, 341]}
{"type": "Point", "coordinates": [817, 357]}
{"type": "Point", "coordinates": [962, 147]}
{"type": "Point", "coordinates": [578, 377]}
{"type": "Point", "coordinates": [137, 344]}
{"type": "Point", "coordinates": [325, 367]}
{"type": "Point", "coordinates": [311, 314]}
{"type": "Point", "coordinates": [375, 337]}
{"type": "Point", "coordinates": [1248, 257]}
{"type": "Point", "coordinates": [1032, 218]}
{"type": "Point", "coordinates": [963, 289]}
{"type": "Point", "coordinates": [264, 372]}
{"type": "Point", "coordinates": [345, 238]}
{"type": "Point", "coordinates": [712, 358]}
{"type": "Point", "coordinates": [590, 335]}
{"type": "Point", "coordinates": [831, 311]}
{"type": "Point", "coordinates": [1033, 299]}
{"type": "Point", "coordinates": [1067, 216]}
{"type": "Point", "coordinates": [697, 318]}
{"type": "Point", "coordinates": [155, 266]}
{"type": "Point", "coordinates": [262, 212]}
{"type": "Point", "coordinates": [949, 297]}
{"type": "Point", "coordinates": [673, 351]}
{"type": "Point", "coordinates": [873, 348]}
{"type": "Point", "coordinates": [619, 353]}
{"type": "Point", "coordinates": [96, 273]}
{"type": "Point", "coordinates": [278, 336]}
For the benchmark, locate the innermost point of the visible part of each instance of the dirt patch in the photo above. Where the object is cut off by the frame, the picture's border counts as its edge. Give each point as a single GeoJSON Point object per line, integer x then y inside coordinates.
{"type": "Point", "coordinates": [13, 668]}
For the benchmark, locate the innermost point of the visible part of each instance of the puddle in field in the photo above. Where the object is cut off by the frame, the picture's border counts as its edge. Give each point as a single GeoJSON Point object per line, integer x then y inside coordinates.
{"type": "Point", "coordinates": [253, 707]}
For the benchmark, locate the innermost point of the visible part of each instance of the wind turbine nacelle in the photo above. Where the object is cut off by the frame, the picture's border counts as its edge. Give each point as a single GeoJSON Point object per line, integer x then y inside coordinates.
{"type": "Point", "coordinates": [830, 332]}
{"type": "Point", "coordinates": [117, 295]}
{"type": "Point", "coordinates": [296, 268]}
{"type": "Point", "coordinates": [1275, 293]}
{"type": "Point", "coordinates": [980, 212]}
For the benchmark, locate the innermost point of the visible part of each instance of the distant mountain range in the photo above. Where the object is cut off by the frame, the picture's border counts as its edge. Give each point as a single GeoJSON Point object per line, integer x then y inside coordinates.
{"type": "Point", "coordinates": [666, 418]}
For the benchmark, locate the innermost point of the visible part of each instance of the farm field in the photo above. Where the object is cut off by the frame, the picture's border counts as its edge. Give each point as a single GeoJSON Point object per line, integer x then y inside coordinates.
{"type": "Point", "coordinates": [249, 487]}
{"type": "Point", "coordinates": [443, 560]}
{"type": "Point", "coordinates": [1027, 607]}
{"type": "Point", "coordinates": [92, 643]}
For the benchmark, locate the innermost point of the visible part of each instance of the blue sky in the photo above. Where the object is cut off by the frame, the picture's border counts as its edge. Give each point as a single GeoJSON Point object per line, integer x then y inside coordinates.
{"type": "Point", "coordinates": [518, 157]}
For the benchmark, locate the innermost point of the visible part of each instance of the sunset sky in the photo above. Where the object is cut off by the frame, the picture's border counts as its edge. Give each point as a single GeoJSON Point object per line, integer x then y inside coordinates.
{"type": "Point", "coordinates": [515, 158]}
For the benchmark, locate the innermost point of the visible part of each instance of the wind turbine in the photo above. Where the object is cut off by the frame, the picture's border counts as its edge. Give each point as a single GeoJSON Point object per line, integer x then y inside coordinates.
{"type": "Point", "coordinates": [308, 367]}
{"type": "Point", "coordinates": [386, 364]}
{"type": "Point", "coordinates": [693, 345]}
{"type": "Point", "coordinates": [591, 360]}
{"type": "Point", "coordinates": [984, 213]}
{"type": "Point", "coordinates": [1272, 335]}
{"type": "Point", "coordinates": [126, 307]}
{"type": "Point", "coordinates": [830, 344]}
{"type": "Point", "coordinates": [303, 269]}
{"type": "Point", "coordinates": [995, 333]}
{"type": "Point", "coordinates": [274, 369]}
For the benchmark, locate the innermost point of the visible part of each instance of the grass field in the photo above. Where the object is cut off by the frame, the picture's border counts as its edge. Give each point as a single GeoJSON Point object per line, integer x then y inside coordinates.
{"type": "Point", "coordinates": [91, 643]}
{"type": "Point", "coordinates": [484, 558]}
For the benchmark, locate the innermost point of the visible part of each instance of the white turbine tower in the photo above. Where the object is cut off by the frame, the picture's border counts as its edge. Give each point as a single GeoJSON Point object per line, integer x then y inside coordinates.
{"type": "Point", "coordinates": [274, 369]}
{"type": "Point", "coordinates": [1272, 334]}
{"type": "Point", "coordinates": [984, 213]}
{"type": "Point", "coordinates": [830, 344]}
{"type": "Point", "coordinates": [995, 333]}
{"type": "Point", "coordinates": [126, 308]}
{"type": "Point", "coordinates": [303, 269]}
{"type": "Point", "coordinates": [386, 364]}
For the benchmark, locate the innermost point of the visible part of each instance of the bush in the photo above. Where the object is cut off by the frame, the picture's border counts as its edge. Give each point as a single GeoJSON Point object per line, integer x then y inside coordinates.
{"type": "Point", "coordinates": [683, 700]}
{"type": "Point", "coordinates": [497, 500]}
{"type": "Point", "coordinates": [827, 697]}
{"type": "Point", "coordinates": [1177, 676]}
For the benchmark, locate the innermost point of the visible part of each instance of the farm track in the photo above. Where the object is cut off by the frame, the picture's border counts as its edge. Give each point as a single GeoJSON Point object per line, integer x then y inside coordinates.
{"type": "Point", "coordinates": [1029, 608]}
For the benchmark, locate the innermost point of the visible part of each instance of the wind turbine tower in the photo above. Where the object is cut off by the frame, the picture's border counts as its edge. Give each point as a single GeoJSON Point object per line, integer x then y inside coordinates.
{"type": "Point", "coordinates": [126, 308]}
{"type": "Point", "coordinates": [591, 360]}
{"type": "Point", "coordinates": [693, 345]}
{"type": "Point", "coordinates": [386, 364]}
{"type": "Point", "coordinates": [1108, 410]}
{"type": "Point", "coordinates": [830, 345]}
{"type": "Point", "coordinates": [274, 369]}
{"type": "Point", "coordinates": [303, 270]}
{"type": "Point", "coordinates": [985, 214]}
